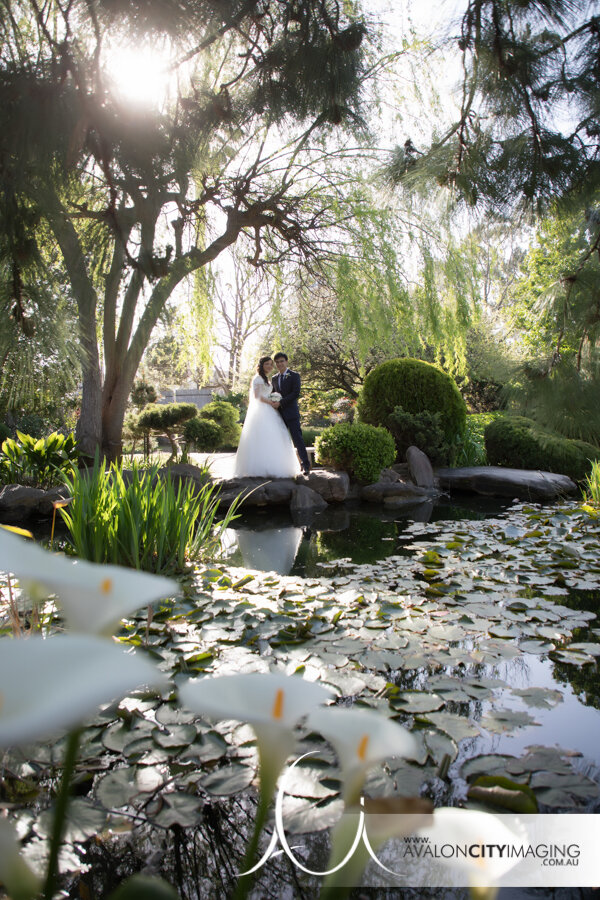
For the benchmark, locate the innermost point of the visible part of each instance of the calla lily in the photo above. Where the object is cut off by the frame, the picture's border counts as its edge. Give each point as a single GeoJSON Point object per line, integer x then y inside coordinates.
{"type": "Point", "coordinates": [94, 597]}
{"type": "Point", "coordinates": [47, 685]}
{"type": "Point", "coordinates": [477, 829]}
{"type": "Point", "coordinates": [361, 738]}
{"type": "Point", "coordinates": [270, 702]}
{"type": "Point", "coordinates": [15, 874]}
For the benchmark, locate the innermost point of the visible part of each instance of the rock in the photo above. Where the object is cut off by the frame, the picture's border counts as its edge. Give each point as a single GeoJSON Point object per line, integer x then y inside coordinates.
{"type": "Point", "coordinates": [45, 505]}
{"type": "Point", "coordinates": [185, 472]}
{"type": "Point", "coordinates": [18, 502]}
{"type": "Point", "coordinates": [259, 491]}
{"type": "Point", "coordinates": [408, 500]}
{"type": "Point", "coordinates": [419, 467]}
{"type": "Point", "coordinates": [494, 481]}
{"type": "Point", "coordinates": [331, 484]}
{"type": "Point", "coordinates": [304, 498]}
{"type": "Point", "coordinates": [376, 493]}
{"type": "Point", "coordinates": [280, 491]}
{"type": "Point", "coordinates": [389, 475]}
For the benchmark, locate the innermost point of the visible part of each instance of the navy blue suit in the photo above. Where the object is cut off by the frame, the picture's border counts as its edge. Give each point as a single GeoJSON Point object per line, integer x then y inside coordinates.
{"type": "Point", "coordinates": [288, 385]}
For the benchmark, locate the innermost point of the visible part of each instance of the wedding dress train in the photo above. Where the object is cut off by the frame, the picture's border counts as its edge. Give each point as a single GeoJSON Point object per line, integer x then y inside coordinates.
{"type": "Point", "coordinates": [265, 449]}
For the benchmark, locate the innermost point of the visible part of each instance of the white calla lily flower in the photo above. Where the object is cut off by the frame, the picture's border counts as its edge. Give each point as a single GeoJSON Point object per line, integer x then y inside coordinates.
{"type": "Point", "coordinates": [94, 596]}
{"type": "Point", "coordinates": [48, 685]}
{"type": "Point", "coordinates": [271, 703]}
{"type": "Point", "coordinates": [15, 874]}
{"type": "Point", "coordinates": [361, 738]}
{"type": "Point", "coordinates": [477, 830]}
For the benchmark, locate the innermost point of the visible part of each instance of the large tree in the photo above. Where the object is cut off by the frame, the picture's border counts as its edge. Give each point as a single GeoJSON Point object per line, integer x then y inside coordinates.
{"type": "Point", "coordinates": [138, 199]}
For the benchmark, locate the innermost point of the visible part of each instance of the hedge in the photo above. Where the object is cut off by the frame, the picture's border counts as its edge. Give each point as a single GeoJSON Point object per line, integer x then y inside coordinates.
{"type": "Point", "coordinates": [361, 450]}
{"type": "Point", "coordinates": [518, 442]}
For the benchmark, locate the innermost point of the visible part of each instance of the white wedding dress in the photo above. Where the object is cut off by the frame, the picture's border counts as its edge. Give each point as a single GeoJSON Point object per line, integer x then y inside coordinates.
{"type": "Point", "coordinates": [265, 448]}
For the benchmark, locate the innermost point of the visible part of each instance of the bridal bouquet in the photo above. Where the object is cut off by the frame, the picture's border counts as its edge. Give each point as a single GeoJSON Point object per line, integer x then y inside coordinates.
{"type": "Point", "coordinates": [275, 397]}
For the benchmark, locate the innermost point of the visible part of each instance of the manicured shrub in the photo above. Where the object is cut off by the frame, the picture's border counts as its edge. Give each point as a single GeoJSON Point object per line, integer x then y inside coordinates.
{"type": "Point", "coordinates": [518, 442]}
{"type": "Point", "coordinates": [226, 416]}
{"type": "Point", "coordinates": [202, 434]}
{"type": "Point", "coordinates": [417, 387]}
{"type": "Point", "coordinates": [423, 430]}
{"type": "Point", "coordinates": [166, 418]}
{"type": "Point", "coordinates": [143, 393]}
{"type": "Point", "coordinates": [361, 450]}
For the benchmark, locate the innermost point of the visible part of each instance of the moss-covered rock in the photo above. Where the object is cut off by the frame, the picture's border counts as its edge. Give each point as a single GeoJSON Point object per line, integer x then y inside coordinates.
{"type": "Point", "coordinates": [518, 442]}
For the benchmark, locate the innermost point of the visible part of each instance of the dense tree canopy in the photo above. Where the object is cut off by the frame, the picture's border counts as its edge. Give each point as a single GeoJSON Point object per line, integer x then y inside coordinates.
{"type": "Point", "coordinates": [138, 198]}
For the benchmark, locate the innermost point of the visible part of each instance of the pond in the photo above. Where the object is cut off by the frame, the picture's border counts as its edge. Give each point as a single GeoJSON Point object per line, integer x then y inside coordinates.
{"type": "Point", "coordinates": [476, 629]}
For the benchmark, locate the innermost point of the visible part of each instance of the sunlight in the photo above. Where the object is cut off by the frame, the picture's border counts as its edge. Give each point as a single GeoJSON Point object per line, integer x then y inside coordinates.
{"type": "Point", "coordinates": [141, 75]}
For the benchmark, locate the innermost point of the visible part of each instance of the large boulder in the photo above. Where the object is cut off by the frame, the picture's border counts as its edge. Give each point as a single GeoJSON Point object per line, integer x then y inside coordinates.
{"type": "Point", "coordinates": [493, 481]}
{"type": "Point", "coordinates": [331, 484]}
{"type": "Point", "coordinates": [185, 472]}
{"type": "Point", "coordinates": [419, 467]}
{"type": "Point", "coordinates": [257, 491]}
{"type": "Point", "coordinates": [304, 498]}
{"type": "Point", "coordinates": [378, 492]}
{"type": "Point", "coordinates": [18, 502]}
{"type": "Point", "coordinates": [46, 503]}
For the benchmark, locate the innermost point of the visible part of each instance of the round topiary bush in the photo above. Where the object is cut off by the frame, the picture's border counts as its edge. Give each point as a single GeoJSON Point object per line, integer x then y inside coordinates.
{"type": "Point", "coordinates": [361, 450]}
{"type": "Point", "coordinates": [417, 387]}
{"type": "Point", "coordinates": [203, 434]}
{"type": "Point", "coordinates": [226, 417]}
{"type": "Point", "coordinates": [166, 418]}
{"type": "Point", "coordinates": [519, 443]}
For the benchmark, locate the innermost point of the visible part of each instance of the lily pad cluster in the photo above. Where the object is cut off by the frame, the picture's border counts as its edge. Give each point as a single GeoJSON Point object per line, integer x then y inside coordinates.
{"type": "Point", "coordinates": [433, 637]}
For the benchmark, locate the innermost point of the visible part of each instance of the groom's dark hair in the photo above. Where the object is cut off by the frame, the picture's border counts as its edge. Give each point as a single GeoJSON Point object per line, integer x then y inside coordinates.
{"type": "Point", "coordinates": [280, 355]}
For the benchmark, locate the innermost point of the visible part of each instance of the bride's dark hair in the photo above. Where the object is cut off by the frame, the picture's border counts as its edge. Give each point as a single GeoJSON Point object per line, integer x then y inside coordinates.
{"type": "Point", "coordinates": [261, 368]}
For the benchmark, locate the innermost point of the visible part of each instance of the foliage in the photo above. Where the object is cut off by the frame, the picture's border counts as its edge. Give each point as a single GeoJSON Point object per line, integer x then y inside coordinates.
{"type": "Point", "coordinates": [4, 432]}
{"type": "Point", "coordinates": [143, 393]}
{"type": "Point", "coordinates": [143, 520]}
{"type": "Point", "coordinates": [361, 450]}
{"type": "Point", "coordinates": [470, 450]}
{"type": "Point", "coordinates": [103, 179]}
{"type": "Point", "coordinates": [564, 400]}
{"type": "Point", "coordinates": [591, 485]}
{"type": "Point", "coordinates": [518, 442]}
{"type": "Point", "coordinates": [226, 417]}
{"type": "Point", "coordinates": [203, 434]}
{"type": "Point", "coordinates": [316, 405]}
{"type": "Point", "coordinates": [523, 64]}
{"type": "Point", "coordinates": [310, 435]}
{"type": "Point", "coordinates": [555, 304]}
{"type": "Point", "coordinates": [165, 418]}
{"type": "Point", "coordinates": [238, 399]}
{"type": "Point", "coordinates": [417, 387]}
{"type": "Point", "coordinates": [423, 430]}
{"type": "Point", "coordinates": [38, 462]}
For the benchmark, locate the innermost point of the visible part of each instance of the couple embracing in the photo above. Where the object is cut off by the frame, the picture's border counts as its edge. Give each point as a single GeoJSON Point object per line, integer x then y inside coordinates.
{"type": "Point", "coordinates": [272, 426]}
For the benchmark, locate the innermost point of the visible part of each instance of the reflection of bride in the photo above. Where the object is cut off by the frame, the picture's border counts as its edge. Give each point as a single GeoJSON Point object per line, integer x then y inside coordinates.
{"type": "Point", "coordinates": [265, 448]}
{"type": "Point", "coordinates": [269, 549]}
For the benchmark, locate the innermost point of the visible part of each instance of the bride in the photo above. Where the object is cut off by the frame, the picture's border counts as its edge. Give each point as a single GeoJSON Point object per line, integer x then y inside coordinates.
{"type": "Point", "coordinates": [265, 447]}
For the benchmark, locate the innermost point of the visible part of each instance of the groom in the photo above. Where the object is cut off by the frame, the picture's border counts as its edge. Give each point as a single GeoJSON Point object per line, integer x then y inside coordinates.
{"type": "Point", "coordinates": [287, 383]}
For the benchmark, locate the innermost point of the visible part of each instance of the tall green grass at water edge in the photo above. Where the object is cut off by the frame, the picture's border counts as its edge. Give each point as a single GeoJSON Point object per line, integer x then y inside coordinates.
{"type": "Point", "coordinates": [144, 521]}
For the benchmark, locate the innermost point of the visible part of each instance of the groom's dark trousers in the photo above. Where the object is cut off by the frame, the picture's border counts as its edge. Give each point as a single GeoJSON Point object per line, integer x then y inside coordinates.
{"type": "Point", "coordinates": [288, 385]}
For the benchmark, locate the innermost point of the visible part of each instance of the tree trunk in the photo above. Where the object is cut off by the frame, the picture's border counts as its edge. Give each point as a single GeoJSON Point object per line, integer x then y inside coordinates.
{"type": "Point", "coordinates": [113, 414]}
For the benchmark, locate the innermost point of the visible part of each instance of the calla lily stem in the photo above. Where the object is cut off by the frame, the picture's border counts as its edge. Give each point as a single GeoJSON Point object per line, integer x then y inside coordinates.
{"type": "Point", "coordinates": [60, 813]}
{"type": "Point", "coordinates": [245, 882]}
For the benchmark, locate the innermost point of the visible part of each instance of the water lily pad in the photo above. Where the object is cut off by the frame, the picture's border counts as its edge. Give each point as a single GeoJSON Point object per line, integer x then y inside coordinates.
{"type": "Point", "coordinates": [499, 791]}
{"type": "Point", "coordinates": [503, 720]}
{"type": "Point", "coordinates": [303, 816]}
{"type": "Point", "coordinates": [457, 727]}
{"type": "Point", "coordinates": [84, 820]}
{"type": "Point", "coordinates": [542, 698]}
{"type": "Point", "coordinates": [573, 657]}
{"type": "Point", "coordinates": [487, 764]}
{"type": "Point", "coordinates": [228, 780]}
{"type": "Point", "coordinates": [180, 809]}
{"type": "Point", "coordinates": [418, 702]}
{"type": "Point", "coordinates": [174, 735]}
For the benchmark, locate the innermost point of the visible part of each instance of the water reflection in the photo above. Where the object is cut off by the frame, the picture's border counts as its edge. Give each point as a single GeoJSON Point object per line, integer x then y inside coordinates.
{"type": "Point", "coordinates": [266, 549]}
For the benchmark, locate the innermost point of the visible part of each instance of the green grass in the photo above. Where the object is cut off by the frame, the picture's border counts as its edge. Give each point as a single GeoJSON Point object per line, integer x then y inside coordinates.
{"type": "Point", "coordinates": [471, 447]}
{"type": "Point", "coordinates": [591, 487]}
